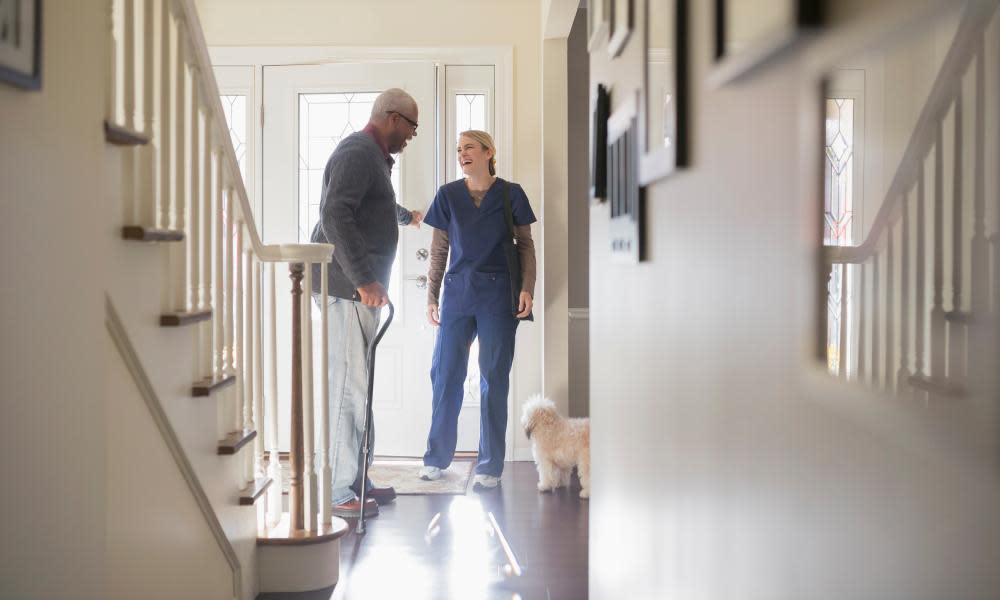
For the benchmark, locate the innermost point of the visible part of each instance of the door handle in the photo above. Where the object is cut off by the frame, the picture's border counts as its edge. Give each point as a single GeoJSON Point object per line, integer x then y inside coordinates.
{"type": "Point", "coordinates": [422, 254]}
{"type": "Point", "coordinates": [421, 280]}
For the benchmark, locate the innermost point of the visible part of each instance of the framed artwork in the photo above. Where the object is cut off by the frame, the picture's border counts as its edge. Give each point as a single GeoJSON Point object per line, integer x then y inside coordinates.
{"type": "Point", "coordinates": [21, 43]}
{"type": "Point", "coordinates": [621, 26]}
{"type": "Point", "coordinates": [664, 114]}
{"type": "Point", "coordinates": [598, 14]}
{"type": "Point", "coordinates": [600, 104]}
{"type": "Point", "coordinates": [625, 227]}
{"type": "Point", "coordinates": [748, 35]}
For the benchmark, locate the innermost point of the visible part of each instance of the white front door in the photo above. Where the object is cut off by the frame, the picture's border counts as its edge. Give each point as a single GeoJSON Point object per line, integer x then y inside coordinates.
{"type": "Point", "coordinates": [308, 109]}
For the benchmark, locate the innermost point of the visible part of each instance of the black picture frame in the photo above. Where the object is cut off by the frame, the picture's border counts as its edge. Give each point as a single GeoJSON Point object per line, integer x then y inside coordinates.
{"type": "Point", "coordinates": [663, 122]}
{"type": "Point", "coordinates": [626, 200]}
{"type": "Point", "coordinates": [601, 107]}
{"type": "Point", "coordinates": [735, 59]}
{"type": "Point", "coordinates": [21, 45]}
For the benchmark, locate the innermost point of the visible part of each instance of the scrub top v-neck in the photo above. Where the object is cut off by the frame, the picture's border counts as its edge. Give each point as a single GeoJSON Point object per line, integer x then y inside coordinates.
{"type": "Point", "coordinates": [477, 280]}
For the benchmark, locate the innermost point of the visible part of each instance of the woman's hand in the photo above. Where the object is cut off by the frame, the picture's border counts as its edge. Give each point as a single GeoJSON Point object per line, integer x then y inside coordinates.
{"type": "Point", "coordinates": [523, 305]}
{"type": "Point", "coordinates": [433, 315]}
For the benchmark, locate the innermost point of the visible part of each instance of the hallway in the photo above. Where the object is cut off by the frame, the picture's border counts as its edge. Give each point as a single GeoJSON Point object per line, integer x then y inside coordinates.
{"type": "Point", "coordinates": [399, 557]}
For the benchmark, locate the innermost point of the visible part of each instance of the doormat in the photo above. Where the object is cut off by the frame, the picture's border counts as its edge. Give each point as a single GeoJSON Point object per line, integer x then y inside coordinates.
{"type": "Point", "coordinates": [402, 475]}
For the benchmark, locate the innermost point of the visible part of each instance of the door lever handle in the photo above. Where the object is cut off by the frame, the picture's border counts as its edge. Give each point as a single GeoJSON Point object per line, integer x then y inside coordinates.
{"type": "Point", "coordinates": [421, 280]}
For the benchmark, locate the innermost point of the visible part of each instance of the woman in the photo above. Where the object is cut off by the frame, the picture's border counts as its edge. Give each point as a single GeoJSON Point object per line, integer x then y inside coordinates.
{"type": "Point", "coordinates": [469, 221]}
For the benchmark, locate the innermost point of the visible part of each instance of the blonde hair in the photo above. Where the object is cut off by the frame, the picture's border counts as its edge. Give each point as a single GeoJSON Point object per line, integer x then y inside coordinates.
{"type": "Point", "coordinates": [486, 141]}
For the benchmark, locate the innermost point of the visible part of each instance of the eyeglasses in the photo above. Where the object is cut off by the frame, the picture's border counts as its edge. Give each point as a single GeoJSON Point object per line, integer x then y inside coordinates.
{"type": "Point", "coordinates": [412, 123]}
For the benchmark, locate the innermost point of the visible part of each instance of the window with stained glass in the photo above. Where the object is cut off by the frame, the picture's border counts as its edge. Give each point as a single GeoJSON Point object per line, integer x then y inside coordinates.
{"type": "Point", "coordinates": [838, 221]}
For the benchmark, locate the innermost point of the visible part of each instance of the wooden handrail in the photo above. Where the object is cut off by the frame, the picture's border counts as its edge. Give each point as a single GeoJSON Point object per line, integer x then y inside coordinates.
{"type": "Point", "coordinates": [963, 49]}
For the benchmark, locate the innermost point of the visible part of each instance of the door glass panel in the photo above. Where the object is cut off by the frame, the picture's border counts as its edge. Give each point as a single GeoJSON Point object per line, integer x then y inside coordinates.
{"type": "Point", "coordinates": [235, 109]}
{"type": "Point", "coordinates": [325, 120]}
{"type": "Point", "coordinates": [838, 219]}
{"type": "Point", "coordinates": [470, 113]}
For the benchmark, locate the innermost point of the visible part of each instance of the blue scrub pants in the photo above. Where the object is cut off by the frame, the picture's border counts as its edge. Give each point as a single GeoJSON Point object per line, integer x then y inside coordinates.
{"type": "Point", "coordinates": [448, 371]}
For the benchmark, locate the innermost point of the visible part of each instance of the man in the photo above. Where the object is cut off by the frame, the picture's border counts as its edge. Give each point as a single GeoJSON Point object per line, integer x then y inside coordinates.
{"type": "Point", "coordinates": [359, 215]}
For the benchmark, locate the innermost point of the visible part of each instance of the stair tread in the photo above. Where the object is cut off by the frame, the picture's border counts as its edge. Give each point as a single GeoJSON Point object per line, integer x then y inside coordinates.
{"type": "Point", "coordinates": [151, 234]}
{"type": "Point", "coordinates": [255, 490]}
{"type": "Point", "coordinates": [959, 316]}
{"type": "Point", "coordinates": [207, 386]}
{"type": "Point", "coordinates": [232, 443]}
{"type": "Point", "coordinates": [279, 535]}
{"type": "Point", "coordinates": [176, 319]}
{"type": "Point", "coordinates": [944, 387]}
{"type": "Point", "coordinates": [120, 135]}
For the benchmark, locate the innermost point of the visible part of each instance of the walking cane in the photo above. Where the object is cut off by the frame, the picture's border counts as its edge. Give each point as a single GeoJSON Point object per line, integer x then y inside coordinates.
{"type": "Point", "coordinates": [363, 455]}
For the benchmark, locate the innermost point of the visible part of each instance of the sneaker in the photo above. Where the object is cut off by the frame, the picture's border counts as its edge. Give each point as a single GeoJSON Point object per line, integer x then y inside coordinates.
{"type": "Point", "coordinates": [485, 481]}
{"type": "Point", "coordinates": [428, 473]}
{"type": "Point", "coordinates": [351, 509]}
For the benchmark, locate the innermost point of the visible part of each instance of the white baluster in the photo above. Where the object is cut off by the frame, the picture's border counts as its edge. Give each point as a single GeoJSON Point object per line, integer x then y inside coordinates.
{"type": "Point", "coordinates": [128, 63]}
{"type": "Point", "coordinates": [920, 326]}
{"type": "Point", "coordinates": [938, 340]}
{"type": "Point", "coordinates": [273, 463]}
{"type": "Point", "coordinates": [218, 268]}
{"type": "Point", "coordinates": [247, 349]}
{"type": "Point", "coordinates": [890, 308]}
{"type": "Point", "coordinates": [229, 261]}
{"type": "Point", "coordinates": [164, 132]}
{"type": "Point", "coordinates": [903, 373]}
{"type": "Point", "coordinates": [241, 418]}
{"type": "Point", "coordinates": [325, 469]}
{"type": "Point", "coordinates": [862, 354]}
{"type": "Point", "coordinates": [258, 373]}
{"type": "Point", "coordinates": [112, 82]}
{"type": "Point", "coordinates": [195, 132]}
{"type": "Point", "coordinates": [147, 199]}
{"type": "Point", "coordinates": [956, 329]}
{"type": "Point", "coordinates": [308, 414]}
{"type": "Point", "coordinates": [180, 189]}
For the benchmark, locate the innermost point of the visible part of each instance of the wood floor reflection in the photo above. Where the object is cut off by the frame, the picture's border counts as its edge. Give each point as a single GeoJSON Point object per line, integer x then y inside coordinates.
{"type": "Point", "coordinates": [459, 559]}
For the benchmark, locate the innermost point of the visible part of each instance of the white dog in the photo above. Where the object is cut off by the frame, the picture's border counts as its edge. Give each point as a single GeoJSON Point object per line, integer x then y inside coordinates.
{"type": "Point", "coordinates": [558, 444]}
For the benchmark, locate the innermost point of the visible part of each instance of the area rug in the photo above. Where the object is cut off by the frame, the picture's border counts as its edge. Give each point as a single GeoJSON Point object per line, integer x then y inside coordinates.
{"type": "Point", "coordinates": [402, 475]}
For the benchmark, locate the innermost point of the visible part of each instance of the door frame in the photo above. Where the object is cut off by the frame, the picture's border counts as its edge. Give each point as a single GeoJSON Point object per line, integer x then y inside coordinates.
{"type": "Point", "coordinates": [502, 59]}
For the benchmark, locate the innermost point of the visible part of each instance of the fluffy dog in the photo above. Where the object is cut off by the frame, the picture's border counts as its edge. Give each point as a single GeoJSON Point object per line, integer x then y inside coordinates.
{"type": "Point", "coordinates": [558, 444]}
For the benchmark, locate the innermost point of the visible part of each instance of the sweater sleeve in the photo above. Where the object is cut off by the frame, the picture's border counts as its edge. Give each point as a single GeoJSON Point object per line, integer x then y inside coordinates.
{"type": "Point", "coordinates": [348, 176]}
{"type": "Point", "coordinates": [403, 216]}
{"type": "Point", "coordinates": [526, 252]}
{"type": "Point", "coordinates": [439, 260]}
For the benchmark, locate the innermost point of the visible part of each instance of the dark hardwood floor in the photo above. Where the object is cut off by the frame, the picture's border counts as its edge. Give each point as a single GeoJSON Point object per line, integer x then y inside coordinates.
{"type": "Point", "coordinates": [400, 558]}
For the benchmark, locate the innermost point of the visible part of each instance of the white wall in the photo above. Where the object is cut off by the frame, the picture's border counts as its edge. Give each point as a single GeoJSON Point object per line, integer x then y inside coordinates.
{"type": "Point", "coordinates": [53, 243]}
{"type": "Point", "coordinates": [725, 463]}
{"type": "Point", "coordinates": [402, 23]}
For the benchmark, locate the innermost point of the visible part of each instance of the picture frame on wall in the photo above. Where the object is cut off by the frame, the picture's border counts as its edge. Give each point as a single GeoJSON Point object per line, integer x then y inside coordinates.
{"type": "Point", "coordinates": [598, 15]}
{"type": "Point", "coordinates": [21, 43]}
{"type": "Point", "coordinates": [750, 35]}
{"type": "Point", "coordinates": [664, 100]}
{"type": "Point", "coordinates": [622, 17]}
{"type": "Point", "coordinates": [600, 107]}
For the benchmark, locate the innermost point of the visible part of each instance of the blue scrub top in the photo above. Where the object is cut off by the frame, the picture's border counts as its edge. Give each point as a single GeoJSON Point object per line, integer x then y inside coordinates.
{"type": "Point", "coordinates": [476, 237]}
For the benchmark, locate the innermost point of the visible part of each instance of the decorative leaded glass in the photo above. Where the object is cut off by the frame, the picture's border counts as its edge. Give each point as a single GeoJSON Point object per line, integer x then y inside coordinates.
{"type": "Point", "coordinates": [324, 120]}
{"type": "Point", "coordinates": [235, 109]}
{"type": "Point", "coordinates": [838, 217]}
{"type": "Point", "coordinates": [470, 113]}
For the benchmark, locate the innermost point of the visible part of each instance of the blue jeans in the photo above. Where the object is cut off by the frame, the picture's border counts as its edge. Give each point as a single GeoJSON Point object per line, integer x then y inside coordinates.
{"type": "Point", "coordinates": [351, 327]}
{"type": "Point", "coordinates": [448, 371]}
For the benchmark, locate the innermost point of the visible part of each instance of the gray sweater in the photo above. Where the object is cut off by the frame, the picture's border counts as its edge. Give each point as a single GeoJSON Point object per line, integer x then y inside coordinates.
{"type": "Point", "coordinates": [358, 214]}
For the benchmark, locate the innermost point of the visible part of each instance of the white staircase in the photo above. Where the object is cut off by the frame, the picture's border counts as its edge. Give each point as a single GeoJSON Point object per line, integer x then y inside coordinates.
{"type": "Point", "coordinates": [193, 308]}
